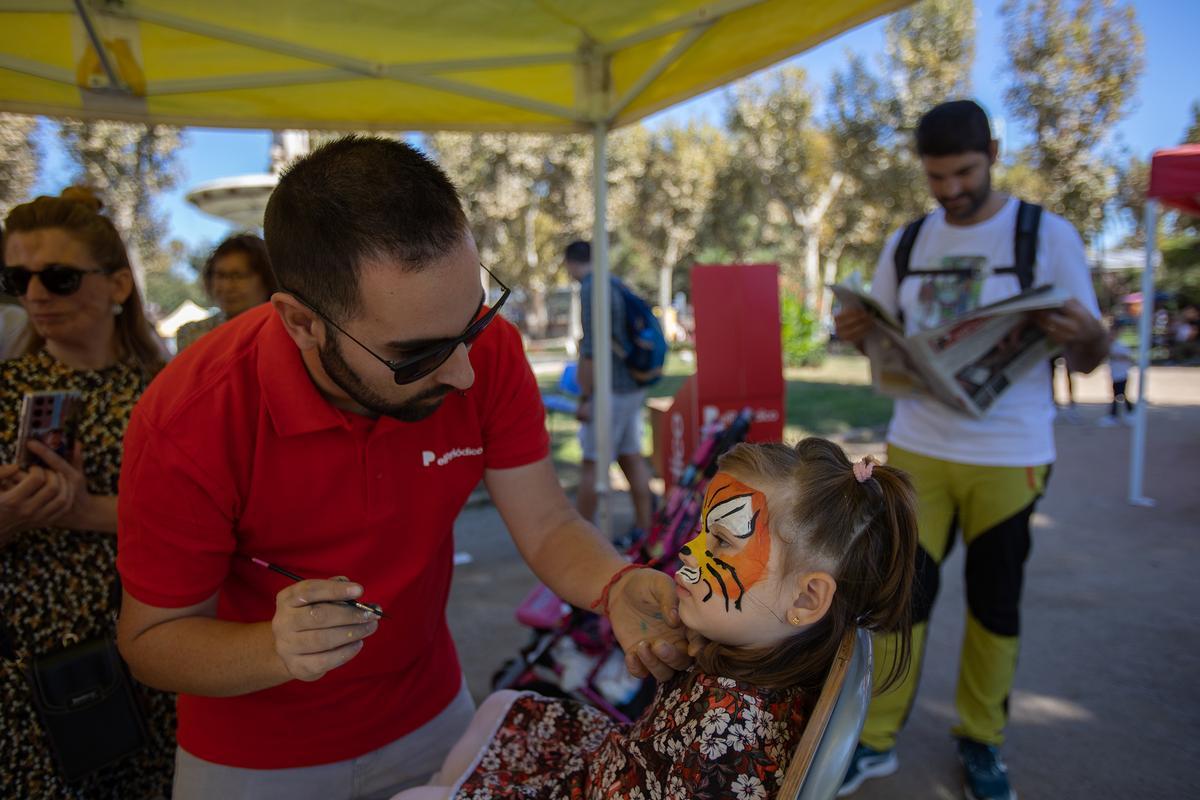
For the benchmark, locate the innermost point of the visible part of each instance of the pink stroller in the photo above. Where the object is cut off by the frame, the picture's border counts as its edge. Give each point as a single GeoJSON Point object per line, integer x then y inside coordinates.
{"type": "Point", "coordinates": [572, 652]}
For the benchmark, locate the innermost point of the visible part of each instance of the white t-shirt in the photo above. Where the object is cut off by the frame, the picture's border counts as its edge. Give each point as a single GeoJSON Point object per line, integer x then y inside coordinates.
{"type": "Point", "coordinates": [1018, 430]}
{"type": "Point", "coordinates": [1119, 361]}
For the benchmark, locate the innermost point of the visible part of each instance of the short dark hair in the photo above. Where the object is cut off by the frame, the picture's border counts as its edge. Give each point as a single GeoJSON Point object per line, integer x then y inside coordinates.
{"type": "Point", "coordinates": [255, 251]}
{"type": "Point", "coordinates": [354, 198]}
{"type": "Point", "coordinates": [579, 252]}
{"type": "Point", "coordinates": [952, 128]}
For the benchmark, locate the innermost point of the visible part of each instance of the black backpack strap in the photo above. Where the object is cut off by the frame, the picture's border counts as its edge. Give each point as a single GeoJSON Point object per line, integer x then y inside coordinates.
{"type": "Point", "coordinates": [1029, 218]}
{"type": "Point", "coordinates": [904, 249]}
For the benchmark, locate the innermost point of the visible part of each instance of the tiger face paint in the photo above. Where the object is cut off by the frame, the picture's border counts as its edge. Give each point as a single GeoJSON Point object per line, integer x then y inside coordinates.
{"type": "Point", "coordinates": [731, 551]}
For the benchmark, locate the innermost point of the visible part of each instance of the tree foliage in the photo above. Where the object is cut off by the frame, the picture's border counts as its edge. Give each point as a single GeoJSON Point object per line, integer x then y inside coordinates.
{"type": "Point", "coordinates": [129, 165]}
{"type": "Point", "coordinates": [1073, 76]}
{"type": "Point", "coordinates": [19, 159]}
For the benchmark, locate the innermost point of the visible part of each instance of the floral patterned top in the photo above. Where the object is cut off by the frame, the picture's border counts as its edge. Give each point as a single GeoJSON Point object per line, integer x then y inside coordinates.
{"type": "Point", "coordinates": [55, 582]}
{"type": "Point", "coordinates": [704, 737]}
{"type": "Point", "coordinates": [187, 334]}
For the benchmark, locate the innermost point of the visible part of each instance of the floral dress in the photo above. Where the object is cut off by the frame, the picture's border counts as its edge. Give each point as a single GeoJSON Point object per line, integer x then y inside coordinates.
{"type": "Point", "coordinates": [55, 582]}
{"type": "Point", "coordinates": [704, 737]}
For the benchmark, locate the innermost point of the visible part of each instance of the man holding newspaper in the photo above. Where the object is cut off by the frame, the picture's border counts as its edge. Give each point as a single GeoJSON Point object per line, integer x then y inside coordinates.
{"type": "Point", "coordinates": [966, 307]}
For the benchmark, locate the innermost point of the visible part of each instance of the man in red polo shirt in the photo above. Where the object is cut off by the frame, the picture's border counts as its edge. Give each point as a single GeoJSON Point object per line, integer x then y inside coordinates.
{"type": "Point", "coordinates": [338, 430]}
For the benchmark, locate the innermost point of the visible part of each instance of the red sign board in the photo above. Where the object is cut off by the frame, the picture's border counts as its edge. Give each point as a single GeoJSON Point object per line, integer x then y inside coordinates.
{"type": "Point", "coordinates": [739, 362]}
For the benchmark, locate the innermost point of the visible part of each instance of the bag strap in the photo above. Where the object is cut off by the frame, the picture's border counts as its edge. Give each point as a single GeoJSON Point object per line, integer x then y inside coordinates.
{"type": "Point", "coordinates": [904, 247]}
{"type": "Point", "coordinates": [1025, 241]}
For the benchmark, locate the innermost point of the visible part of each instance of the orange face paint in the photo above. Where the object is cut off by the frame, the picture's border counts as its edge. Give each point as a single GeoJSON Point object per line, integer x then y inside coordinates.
{"type": "Point", "coordinates": [740, 513]}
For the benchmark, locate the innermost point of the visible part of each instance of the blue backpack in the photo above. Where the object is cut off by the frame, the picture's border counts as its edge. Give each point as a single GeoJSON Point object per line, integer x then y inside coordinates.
{"type": "Point", "coordinates": [646, 352]}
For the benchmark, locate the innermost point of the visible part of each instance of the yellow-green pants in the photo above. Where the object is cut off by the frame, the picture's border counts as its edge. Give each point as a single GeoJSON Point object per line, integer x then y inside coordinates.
{"type": "Point", "coordinates": [992, 506]}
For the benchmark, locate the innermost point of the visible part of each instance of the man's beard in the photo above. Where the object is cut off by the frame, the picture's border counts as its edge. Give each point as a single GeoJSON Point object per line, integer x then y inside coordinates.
{"type": "Point", "coordinates": [976, 200]}
{"type": "Point", "coordinates": [414, 409]}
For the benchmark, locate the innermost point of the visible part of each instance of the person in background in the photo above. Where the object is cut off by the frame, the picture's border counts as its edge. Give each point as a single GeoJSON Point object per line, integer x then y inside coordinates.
{"type": "Point", "coordinates": [982, 477]}
{"type": "Point", "coordinates": [238, 277]}
{"type": "Point", "coordinates": [66, 264]}
{"type": "Point", "coordinates": [627, 401]}
{"type": "Point", "coordinates": [1119, 362]}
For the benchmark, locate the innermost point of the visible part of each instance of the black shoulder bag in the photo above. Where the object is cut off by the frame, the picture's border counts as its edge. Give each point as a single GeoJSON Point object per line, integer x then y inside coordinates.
{"type": "Point", "coordinates": [84, 697]}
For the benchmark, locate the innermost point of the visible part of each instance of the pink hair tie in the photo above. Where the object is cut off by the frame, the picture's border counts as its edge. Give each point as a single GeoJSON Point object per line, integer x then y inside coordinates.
{"type": "Point", "coordinates": [863, 469]}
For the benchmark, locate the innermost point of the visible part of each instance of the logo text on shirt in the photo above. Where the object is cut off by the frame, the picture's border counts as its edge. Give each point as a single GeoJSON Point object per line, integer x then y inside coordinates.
{"type": "Point", "coordinates": [429, 457]}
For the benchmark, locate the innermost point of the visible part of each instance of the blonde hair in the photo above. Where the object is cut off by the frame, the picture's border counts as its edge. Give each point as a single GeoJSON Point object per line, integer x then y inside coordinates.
{"type": "Point", "coordinates": [77, 212]}
{"type": "Point", "coordinates": [863, 533]}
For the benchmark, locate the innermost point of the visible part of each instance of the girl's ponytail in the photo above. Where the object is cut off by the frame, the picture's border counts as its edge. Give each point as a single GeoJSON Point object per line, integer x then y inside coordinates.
{"type": "Point", "coordinates": [891, 537]}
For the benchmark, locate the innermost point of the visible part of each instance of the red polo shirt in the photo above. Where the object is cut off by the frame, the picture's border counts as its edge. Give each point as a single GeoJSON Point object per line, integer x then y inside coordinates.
{"type": "Point", "coordinates": [232, 453]}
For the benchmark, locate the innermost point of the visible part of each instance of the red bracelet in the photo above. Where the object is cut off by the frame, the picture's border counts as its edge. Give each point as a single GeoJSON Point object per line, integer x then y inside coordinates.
{"type": "Point", "coordinates": [602, 603]}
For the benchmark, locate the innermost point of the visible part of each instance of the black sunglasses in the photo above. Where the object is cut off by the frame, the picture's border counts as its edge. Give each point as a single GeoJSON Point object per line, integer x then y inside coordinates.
{"type": "Point", "coordinates": [58, 279]}
{"type": "Point", "coordinates": [428, 359]}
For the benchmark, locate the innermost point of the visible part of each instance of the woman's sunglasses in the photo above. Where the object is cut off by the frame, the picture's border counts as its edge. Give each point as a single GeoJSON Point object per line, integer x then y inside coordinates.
{"type": "Point", "coordinates": [428, 359]}
{"type": "Point", "coordinates": [58, 279]}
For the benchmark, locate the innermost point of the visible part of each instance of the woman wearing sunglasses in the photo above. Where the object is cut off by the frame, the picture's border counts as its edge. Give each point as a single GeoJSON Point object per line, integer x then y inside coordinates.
{"type": "Point", "coordinates": [238, 277]}
{"type": "Point", "coordinates": [67, 266]}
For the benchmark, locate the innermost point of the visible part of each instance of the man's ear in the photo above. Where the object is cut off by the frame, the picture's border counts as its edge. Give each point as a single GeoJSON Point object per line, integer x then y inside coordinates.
{"type": "Point", "coordinates": [306, 328]}
{"type": "Point", "coordinates": [993, 152]}
{"type": "Point", "coordinates": [814, 595]}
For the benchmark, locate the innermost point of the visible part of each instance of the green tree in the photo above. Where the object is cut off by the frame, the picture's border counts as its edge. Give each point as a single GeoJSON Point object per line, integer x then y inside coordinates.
{"type": "Point", "coordinates": [872, 115]}
{"type": "Point", "coordinates": [1073, 75]}
{"type": "Point", "coordinates": [781, 164]}
{"type": "Point", "coordinates": [19, 159]}
{"type": "Point", "coordinates": [523, 193]}
{"type": "Point", "coordinates": [672, 192]}
{"type": "Point", "coordinates": [1192, 134]}
{"type": "Point", "coordinates": [128, 165]}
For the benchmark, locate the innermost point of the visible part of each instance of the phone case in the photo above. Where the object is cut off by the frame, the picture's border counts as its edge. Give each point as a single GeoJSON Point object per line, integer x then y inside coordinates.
{"type": "Point", "coordinates": [51, 418]}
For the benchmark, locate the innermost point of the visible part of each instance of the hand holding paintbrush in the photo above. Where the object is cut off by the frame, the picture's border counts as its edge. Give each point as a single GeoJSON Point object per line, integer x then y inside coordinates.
{"type": "Point", "coordinates": [287, 574]}
{"type": "Point", "coordinates": [319, 625]}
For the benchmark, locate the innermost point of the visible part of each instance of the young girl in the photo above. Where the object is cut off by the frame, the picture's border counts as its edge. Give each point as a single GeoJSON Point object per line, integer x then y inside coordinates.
{"type": "Point", "coordinates": [796, 546]}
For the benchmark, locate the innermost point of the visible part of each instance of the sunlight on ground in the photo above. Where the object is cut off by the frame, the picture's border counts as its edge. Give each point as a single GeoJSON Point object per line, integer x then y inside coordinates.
{"type": "Point", "coordinates": [1042, 709]}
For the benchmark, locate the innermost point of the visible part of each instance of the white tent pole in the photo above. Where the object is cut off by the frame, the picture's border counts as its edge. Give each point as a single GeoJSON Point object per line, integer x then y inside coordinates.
{"type": "Point", "coordinates": [601, 328]}
{"type": "Point", "coordinates": [1137, 445]}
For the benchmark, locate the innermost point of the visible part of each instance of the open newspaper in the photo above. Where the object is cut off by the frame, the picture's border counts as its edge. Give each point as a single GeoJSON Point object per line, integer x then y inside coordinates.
{"type": "Point", "coordinates": [965, 363]}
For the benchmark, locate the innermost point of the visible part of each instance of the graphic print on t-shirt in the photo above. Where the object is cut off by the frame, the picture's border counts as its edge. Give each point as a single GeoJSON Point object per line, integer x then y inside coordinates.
{"type": "Point", "coordinates": [949, 290]}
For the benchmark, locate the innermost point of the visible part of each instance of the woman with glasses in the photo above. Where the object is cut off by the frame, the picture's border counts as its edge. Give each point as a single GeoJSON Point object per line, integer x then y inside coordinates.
{"type": "Point", "coordinates": [68, 267]}
{"type": "Point", "coordinates": [238, 277]}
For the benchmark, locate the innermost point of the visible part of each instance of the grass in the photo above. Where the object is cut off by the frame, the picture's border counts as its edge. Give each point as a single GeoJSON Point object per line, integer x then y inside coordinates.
{"type": "Point", "coordinates": [832, 399]}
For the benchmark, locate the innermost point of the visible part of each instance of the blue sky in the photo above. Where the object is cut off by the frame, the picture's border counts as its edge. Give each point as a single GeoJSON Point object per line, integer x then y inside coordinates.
{"type": "Point", "coordinates": [1167, 89]}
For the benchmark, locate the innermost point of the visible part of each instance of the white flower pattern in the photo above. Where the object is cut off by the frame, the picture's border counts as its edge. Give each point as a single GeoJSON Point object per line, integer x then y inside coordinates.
{"type": "Point", "coordinates": [703, 738]}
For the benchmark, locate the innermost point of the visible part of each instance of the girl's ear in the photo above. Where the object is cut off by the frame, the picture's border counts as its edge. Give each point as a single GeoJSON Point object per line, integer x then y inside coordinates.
{"type": "Point", "coordinates": [814, 594]}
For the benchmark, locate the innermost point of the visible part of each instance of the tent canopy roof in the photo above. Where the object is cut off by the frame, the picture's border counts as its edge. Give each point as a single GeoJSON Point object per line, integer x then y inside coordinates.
{"type": "Point", "coordinates": [1175, 177]}
{"type": "Point", "coordinates": [544, 65]}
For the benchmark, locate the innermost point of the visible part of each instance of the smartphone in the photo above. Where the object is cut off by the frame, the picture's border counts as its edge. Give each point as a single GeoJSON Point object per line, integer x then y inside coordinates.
{"type": "Point", "coordinates": [51, 418]}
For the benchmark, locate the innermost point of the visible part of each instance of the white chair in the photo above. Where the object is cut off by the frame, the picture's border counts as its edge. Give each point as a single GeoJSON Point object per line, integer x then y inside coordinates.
{"type": "Point", "coordinates": [824, 751]}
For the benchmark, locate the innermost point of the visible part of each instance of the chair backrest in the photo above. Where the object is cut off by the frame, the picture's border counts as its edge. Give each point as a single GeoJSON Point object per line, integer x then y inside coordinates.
{"type": "Point", "coordinates": [569, 382]}
{"type": "Point", "coordinates": [831, 734]}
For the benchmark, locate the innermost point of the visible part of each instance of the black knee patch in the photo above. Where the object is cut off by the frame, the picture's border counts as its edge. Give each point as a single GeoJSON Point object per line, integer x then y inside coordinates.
{"type": "Point", "coordinates": [995, 573]}
{"type": "Point", "coordinates": [926, 581]}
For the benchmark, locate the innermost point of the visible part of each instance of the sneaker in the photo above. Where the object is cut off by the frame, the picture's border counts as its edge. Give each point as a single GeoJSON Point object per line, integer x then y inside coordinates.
{"type": "Point", "coordinates": [1107, 421]}
{"type": "Point", "coordinates": [984, 775]}
{"type": "Point", "coordinates": [867, 763]}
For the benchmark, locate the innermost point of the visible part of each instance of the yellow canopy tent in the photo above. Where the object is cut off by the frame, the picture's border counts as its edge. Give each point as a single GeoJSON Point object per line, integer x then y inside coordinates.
{"type": "Point", "coordinates": [535, 65]}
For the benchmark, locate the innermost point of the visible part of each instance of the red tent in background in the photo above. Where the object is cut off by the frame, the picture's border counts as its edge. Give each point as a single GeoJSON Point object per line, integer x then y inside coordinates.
{"type": "Point", "coordinates": [1174, 182]}
{"type": "Point", "coordinates": [1175, 178]}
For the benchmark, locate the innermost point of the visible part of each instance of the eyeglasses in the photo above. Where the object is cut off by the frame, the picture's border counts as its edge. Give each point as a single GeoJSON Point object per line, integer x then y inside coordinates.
{"type": "Point", "coordinates": [427, 359]}
{"type": "Point", "coordinates": [59, 279]}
